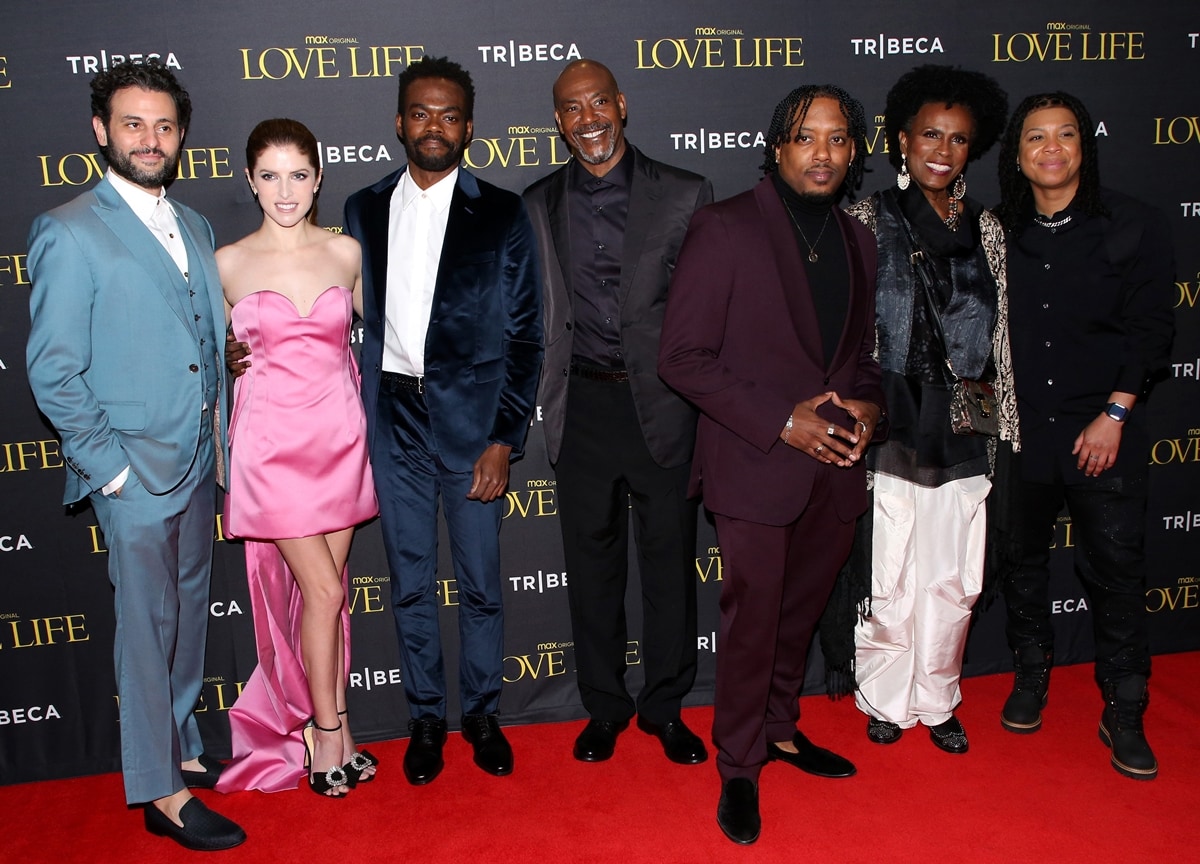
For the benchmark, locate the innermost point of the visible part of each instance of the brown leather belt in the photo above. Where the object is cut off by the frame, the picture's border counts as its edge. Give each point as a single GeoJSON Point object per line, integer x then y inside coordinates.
{"type": "Point", "coordinates": [598, 373]}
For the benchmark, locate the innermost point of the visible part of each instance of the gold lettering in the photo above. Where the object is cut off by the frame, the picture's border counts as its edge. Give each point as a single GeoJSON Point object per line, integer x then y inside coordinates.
{"type": "Point", "coordinates": [874, 142]}
{"type": "Point", "coordinates": [24, 455]}
{"type": "Point", "coordinates": [5, 84]}
{"type": "Point", "coordinates": [1187, 294]}
{"type": "Point", "coordinates": [1190, 131]}
{"type": "Point", "coordinates": [705, 570]}
{"type": "Point", "coordinates": [1172, 599]}
{"type": "Point", "coordinates": [555, 157]}
{"type": "Point", "coordinates": [224, 703]}
{"type": "Point", "coordinates": [549, 664]}
{"type": "Point", "coordinates": [371, 598]}
{"type": "Point", "coordinates": [97, 539]}
{"type": "Point", "coordinates": [75, 628]}
{"type": "Point", "coordinates": [15, 264]}
{"type": "Point", "coordinates": [16, 633]}
{"type": "Point", "coordinates": [65, 168]}
{"type": "Point", "coordinates": [448, 591]}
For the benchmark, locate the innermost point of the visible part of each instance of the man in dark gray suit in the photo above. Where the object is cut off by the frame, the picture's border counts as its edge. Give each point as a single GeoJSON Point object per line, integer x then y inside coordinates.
{"type": "Point", "coordinates": [609, 224]}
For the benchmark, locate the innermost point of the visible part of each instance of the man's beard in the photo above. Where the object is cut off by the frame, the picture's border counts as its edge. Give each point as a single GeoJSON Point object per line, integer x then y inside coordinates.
{"type": "Point", "coordinates": [123, 164]}
{"type": "Point", "coordinates": [431, 162]}
{"type": "Point", "coordinates": [821, 199]}
{"type": "Point", "coordinates": [602, 156]}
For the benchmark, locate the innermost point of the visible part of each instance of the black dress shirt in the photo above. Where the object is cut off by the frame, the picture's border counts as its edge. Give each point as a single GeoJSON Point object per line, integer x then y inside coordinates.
{"type": "Point", "coordinates": [1089, 314]}
{"type": "Point", "coordinates": [597, 208]}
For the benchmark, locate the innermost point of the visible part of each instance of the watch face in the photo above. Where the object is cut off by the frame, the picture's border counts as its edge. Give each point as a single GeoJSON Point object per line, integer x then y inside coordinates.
{"type": "Point", "coordinates": [1117, 412]}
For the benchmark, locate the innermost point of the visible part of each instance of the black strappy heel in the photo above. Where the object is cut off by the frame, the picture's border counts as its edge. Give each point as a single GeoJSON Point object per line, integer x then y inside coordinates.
{"type": "Point", "coordinates": [359, 762]}
{"type": "Point", "coordinates": [336, 776]}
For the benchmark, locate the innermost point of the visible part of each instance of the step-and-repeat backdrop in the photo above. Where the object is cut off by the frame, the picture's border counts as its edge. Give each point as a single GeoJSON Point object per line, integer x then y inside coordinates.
{"type": "Point", "coordinates": [701, 79]}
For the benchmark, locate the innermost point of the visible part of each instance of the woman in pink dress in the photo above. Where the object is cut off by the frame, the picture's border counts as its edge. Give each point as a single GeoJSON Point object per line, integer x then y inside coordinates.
{"type": "Point", "coordinates": [299, 480]}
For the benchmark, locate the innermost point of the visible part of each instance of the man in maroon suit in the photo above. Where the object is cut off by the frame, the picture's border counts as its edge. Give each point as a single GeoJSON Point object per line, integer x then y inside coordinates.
{"type": "Point", "coordinates": [769, 330]}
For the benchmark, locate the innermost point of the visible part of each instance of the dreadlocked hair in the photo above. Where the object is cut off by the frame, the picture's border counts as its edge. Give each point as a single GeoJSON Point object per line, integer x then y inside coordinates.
{"type": "Point", "coordinates": [1015, 192]}
{"type": "Point", "coordinates": [794, 107]}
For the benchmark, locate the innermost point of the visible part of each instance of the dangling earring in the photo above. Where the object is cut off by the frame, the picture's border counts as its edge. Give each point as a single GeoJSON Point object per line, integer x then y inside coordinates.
{"type": "Point", "coordinates": [1018, 166]}
{"type": "Point", "coordinates": [960, 186]}
{"type": "Point", "coordinates": [903, 178]}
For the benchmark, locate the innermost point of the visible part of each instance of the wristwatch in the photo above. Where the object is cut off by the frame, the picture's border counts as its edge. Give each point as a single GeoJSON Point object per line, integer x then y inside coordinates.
{"type": "Point", "coordinates": [1116, 411]}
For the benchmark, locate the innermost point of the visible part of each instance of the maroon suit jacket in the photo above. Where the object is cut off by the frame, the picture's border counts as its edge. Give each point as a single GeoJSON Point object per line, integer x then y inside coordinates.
{"type": "Point", "coordinates": [740, 340]}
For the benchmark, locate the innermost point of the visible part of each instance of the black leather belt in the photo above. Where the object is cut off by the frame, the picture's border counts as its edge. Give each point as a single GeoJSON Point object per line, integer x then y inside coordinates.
{"type": "Point", "coordinates": [404, 382]}
{"type": "Point", "coordinates": [598, 373]}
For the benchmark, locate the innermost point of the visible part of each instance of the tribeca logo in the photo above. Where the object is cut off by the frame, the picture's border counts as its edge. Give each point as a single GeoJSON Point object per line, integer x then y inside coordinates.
{"type": "Point", "coordinates": [332, 154]}
{"type": "Point", "coordinates": [539, 582]}
{"type": "Point", "coordinates": [542, 52]}
{"type": "Point", "coordinates": [706, 139]}
{"type": "Point", "coordinates": [92, 63]}
{"type": "Point", "coordinates": [1182, 522]}
{"type": "Point", "coordinates": [885, 46]}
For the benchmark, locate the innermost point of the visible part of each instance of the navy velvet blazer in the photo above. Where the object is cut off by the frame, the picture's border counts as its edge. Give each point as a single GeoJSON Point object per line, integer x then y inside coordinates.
{"type": "Point", "coordinates": [483, 350]}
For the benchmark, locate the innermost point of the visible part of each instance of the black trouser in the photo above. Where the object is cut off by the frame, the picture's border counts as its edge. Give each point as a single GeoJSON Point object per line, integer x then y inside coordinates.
{"type": "Point", "coordinates": [1108, 516]}
{"type": "Point", "coordinates": [603, 470]}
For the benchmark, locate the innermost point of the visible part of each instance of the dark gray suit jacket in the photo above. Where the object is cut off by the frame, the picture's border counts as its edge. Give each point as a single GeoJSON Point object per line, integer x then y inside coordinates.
{"type": "Point", "coordinates": [661, 203]}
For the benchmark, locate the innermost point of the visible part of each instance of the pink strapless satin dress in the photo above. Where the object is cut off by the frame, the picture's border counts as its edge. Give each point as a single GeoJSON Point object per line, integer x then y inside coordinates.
{"type": "Point", "coordinates": [298, 467]}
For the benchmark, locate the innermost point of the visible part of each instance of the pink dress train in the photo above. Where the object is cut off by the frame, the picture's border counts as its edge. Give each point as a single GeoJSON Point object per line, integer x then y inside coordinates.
{"type": "Point", "coordinates": [298, 467]}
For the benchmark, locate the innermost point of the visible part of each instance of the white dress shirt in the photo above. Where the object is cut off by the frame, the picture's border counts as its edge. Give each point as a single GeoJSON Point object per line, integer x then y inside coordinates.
{"type": "Point", "coordinates": [416, 229]}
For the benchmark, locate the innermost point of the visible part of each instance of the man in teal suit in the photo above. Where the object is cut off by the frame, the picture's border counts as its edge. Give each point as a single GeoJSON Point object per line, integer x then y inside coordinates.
{"type": "Point", "coordinates": [124, 360]}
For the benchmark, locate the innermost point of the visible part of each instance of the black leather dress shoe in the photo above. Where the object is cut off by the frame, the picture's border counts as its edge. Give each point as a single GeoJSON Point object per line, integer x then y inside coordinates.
{"type": "Point", "coordinates": [598, 740]}
{"type": "Point", "coordinates": [423, 758]}
{"type": "Point", "coordinates": [883, 731]}
{"type": "Point", "coordinates": [492, 751]}
{"type": "Point", "coordinates": [202, 830]}
{"type": "Point", "coordinates": [812, 759]}
{"type": "Point", "coordinates": [205, 779]}
{"type": "Point", "coordinates": [737, 812]}
{"type": "Point", "coordinates": [679, 742]}
{"type": "Point", "coordinates": [949, 736]}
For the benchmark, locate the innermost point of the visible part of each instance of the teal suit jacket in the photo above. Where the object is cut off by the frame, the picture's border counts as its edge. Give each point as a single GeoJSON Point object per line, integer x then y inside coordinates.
{"type": "Point", "coordinates": [113, 360]}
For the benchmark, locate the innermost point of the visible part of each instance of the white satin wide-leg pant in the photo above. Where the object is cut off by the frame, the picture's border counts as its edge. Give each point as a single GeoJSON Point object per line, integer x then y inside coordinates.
{"type": "Point", "coordinates": [927, 572]}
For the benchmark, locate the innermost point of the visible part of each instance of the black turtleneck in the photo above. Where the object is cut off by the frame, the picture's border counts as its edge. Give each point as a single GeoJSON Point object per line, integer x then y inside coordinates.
{"type": "Point", "coordinates": [816, 230]}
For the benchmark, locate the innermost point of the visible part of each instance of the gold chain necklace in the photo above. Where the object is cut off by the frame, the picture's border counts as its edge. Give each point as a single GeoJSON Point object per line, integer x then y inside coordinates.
{"type": "Point", "coordinates": [812, 253]}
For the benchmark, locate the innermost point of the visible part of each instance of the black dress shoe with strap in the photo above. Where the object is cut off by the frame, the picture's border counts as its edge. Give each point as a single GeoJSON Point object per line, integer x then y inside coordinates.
{"type": "Point", "coordinates": [679, 742]}
{"type": "Point", "coordinates": [492, 751]}
{"type": "Point", "coordinates": [202, 829]}
{"type": "Point", "coordinates": [812, 759]}
{"type": "Point", "coordinates": [598, 739]}
{"type": "Point", "coordinates": [737, 811]}
{"type": "Point", "coordinates": [205, 779]}
{"type": "Point", "coordinates": [423, 758]}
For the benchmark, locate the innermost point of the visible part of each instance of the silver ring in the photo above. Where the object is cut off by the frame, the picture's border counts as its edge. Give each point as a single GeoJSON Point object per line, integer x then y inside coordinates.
{"type": "Point", "coordinates": [819, 448]}
{"type": "Point", "coordinates": [829, 431]}
{"type": "Point", "coordinates": [1091, 458]}
{"type": "Point", "coordinates": [863, 425]}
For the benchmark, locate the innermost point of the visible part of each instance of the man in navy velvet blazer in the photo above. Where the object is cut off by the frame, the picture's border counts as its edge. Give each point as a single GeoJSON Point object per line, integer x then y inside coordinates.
{"type": "Point", "coordinates": [451, 352]}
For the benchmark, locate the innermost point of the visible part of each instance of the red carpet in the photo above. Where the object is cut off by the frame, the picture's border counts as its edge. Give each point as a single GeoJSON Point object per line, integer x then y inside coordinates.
{"type": "Point", "coordinates": [1048, 797]}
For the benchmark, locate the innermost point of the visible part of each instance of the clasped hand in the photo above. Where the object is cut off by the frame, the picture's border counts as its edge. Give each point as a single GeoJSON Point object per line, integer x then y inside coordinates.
{"type": "Point", "coordinates": [829, 442]}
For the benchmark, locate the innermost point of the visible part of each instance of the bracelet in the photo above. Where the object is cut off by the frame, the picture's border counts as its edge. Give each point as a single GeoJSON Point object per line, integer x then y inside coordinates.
{"type": "Point", "coordinates": [787, 429]}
